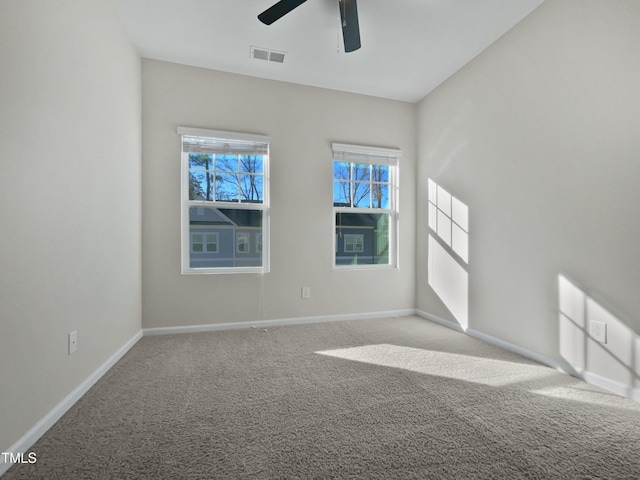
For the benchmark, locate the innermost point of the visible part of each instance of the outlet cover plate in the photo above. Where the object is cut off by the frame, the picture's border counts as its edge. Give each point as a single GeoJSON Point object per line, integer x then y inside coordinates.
{"type": "Point", "coordinates": [598, 331]}
{"type": "Point", "coordinates": [73, 342]}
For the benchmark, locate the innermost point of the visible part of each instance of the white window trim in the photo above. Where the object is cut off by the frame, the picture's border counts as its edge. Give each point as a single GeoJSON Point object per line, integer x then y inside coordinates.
{"type": "Point", "coordinates": [186, 203]}
{"type": "Point", "coordinates": [374, 156]}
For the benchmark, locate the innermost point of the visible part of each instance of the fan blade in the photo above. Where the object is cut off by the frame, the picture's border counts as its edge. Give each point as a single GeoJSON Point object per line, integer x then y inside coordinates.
{"type": "Point", "coordinates": [350, 28]}
{"type": "Point", "coordinates": [279, 10]}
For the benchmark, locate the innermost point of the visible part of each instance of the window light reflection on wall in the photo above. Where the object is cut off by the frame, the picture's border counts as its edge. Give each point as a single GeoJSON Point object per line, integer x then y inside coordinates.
{"type": "Point", "coordinates": [449, 218]}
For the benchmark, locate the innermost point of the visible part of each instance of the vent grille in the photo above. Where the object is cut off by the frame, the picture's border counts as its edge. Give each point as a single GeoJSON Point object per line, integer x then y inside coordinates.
{"type": "Point", "coordinates": [276, 57]}
{"type": "Point", "coordinates": [260, 53]}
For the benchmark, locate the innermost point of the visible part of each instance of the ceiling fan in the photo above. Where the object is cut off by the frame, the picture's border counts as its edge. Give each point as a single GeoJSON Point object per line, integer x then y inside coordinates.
{"type": "Point", "coordinates": [348, 17]}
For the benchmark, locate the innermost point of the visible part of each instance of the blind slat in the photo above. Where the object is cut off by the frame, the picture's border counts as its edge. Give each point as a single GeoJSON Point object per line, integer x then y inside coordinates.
{"type": "Point", "coordinates": [197, 140]}
{"type": "Point", "coordinates": [366, 155]}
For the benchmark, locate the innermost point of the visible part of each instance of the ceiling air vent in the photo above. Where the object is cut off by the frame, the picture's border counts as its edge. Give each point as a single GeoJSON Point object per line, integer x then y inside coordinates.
{"type": "Point", "coordinates": [269, 55]}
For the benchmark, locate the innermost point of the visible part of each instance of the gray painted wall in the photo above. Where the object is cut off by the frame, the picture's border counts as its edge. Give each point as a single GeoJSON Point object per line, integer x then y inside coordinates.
{"type": "Point", "coordinates": [302, 123]}
{"type": "Point", "coordinates": [69, 200]}
{"type": "Point", "coordinates": [540, 137]}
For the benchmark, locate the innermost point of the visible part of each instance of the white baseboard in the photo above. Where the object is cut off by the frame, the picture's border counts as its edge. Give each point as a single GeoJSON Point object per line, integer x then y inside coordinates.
{"type": "Point", "coordinates": [46, 422]}
{"type": "Point", "coordinates": [613, 386]}
{"type": "Point", "coordinates": [212, 327]}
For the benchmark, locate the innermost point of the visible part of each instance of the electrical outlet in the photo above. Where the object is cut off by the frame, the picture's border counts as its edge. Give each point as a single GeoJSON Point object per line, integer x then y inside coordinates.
{"type": "Point", "coordinates": [306, 293]}
{"type": "Point", "coordinates": [598, 331]}
{"type": "Point", "coordinates": [73, 342]}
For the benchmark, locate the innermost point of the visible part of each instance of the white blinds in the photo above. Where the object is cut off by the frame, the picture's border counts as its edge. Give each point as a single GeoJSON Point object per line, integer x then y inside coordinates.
{"type": "Point", "coordinates": [200, 140]}
{"type": "Point", "coordinates": [368, 155]}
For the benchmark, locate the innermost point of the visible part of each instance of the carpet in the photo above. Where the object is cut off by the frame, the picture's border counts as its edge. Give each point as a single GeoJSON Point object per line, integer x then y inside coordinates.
{"type": "Point", "coordinates": [395, 398]}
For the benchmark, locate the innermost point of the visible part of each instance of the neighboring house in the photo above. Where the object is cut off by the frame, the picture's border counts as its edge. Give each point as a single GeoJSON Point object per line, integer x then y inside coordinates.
{"type": "Point", "coordinates": [224, 237]}
{"type": "Point", "coordinates": [361, 238]}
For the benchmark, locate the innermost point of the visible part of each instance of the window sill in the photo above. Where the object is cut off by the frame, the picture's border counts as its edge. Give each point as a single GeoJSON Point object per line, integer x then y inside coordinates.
{"type": "Point", "coordinates": [365, 267]}
{"type": "Point", "coordinates": [218, 271]}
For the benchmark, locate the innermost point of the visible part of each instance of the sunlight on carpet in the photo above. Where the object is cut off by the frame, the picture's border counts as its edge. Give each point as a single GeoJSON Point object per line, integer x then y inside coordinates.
{"type": "Point", "coordinates": [485, 371]}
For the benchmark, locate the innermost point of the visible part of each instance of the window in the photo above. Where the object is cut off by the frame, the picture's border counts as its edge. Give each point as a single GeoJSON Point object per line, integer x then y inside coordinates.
{"type": "Point", "coordinates": [204, 242]}
{"type": "Point", "coordinates": [242, 243]}
{"type": "Point", "coordinates": [353, 243]}
{"type": "Point", "coordinates": [225, 193]}
{"type": "Point", "coordinates": [365, 204]}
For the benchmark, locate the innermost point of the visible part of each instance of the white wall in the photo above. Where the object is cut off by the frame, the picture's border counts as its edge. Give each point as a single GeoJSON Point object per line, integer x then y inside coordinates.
{"type": "Point", "coordinates": [302, 122]}
{"type": "Point", "coordinates": [540, 137]}
{"type": "Point", "coordinates": [69, 200]}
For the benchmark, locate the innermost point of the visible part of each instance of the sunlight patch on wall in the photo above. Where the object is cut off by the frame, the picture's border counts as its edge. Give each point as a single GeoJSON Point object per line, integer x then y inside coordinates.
{"type": "Point", "coordinates": [609, 351]}
{"type": "Point", "coordinates": [449, 218]}
{"type": "Point", "coordinates": [450, 281]}
{"type": "Point", "coordinates": [486, 371]}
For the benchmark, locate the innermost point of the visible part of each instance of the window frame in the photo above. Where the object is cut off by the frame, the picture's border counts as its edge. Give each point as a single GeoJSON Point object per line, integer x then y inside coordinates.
{"type": "Point", "coordinates": [368, 155]}
{"type": "Point", "coordinates": [186, 203]}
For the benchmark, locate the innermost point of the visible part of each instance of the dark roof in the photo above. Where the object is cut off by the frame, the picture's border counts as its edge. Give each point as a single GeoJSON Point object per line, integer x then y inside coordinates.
{"type": "Point", "coordinates": [243, 218]}
{"type": "Point", "coordinates": [367, 220]}
{"type": "Point", "coordinates": [225, 216]}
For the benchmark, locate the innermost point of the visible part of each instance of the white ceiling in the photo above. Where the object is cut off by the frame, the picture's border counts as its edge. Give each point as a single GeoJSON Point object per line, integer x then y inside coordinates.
{"type": "Point", "coordinates": [409, 47]}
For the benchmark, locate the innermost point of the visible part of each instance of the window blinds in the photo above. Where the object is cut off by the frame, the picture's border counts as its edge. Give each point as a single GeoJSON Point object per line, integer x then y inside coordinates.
{"type": "Point", "coordinates": [368, 155]}
{"type": "Point", "coordinates": [200, 140]}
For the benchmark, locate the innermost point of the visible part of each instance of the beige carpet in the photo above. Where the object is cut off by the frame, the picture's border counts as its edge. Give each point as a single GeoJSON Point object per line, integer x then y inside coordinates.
{"type": "Point", "coordinates": [370, 399]}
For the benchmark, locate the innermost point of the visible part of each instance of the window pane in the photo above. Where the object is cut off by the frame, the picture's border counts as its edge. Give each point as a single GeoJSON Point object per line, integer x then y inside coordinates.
{"type": "Point", "coordinates": [224, 229]}
{"type": "Point", "coordinates": [251, 164]}
{"type": "Point", "coordinates": [251, 188]}
{"type": "Point", "coordinates": [341, 171]}
{"type": "Point", "coordinates": [380, 195]}
{"type": "Point", "coordinates": [226, 187]}
{"type": "Point", "coordinates": [362, 239]}
{"type": "Point", "coordinates": [361, 171]}
{"type": "Point", "coordinates": [196, 242]}
{"type": "Point", "coordinates": [212, 242]}
{"type": "Point", "coordinates": [200, 161]}
{"type": "Point", "coordinates": [361, 194]}
{"type": "Point", "coordinates": [227, 163]}
{"type": "Point", "coordinates": [341, 194]}
{"type": "Point", "coordinates": [380, 173]}
{"type": "Point", "coordinates": [200, 185]}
